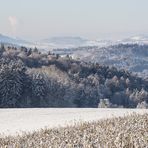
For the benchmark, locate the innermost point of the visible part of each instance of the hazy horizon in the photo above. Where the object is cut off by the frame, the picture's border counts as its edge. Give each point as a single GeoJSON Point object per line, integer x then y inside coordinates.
{"type": "Point", "coordinates": [94, 19]}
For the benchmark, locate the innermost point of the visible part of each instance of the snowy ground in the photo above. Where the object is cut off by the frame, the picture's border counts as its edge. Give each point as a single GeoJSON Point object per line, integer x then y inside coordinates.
{"type": "Point", "coordinates": [13, 121]}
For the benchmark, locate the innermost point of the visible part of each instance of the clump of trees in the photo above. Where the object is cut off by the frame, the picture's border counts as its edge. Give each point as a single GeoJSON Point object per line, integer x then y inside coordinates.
{"type": "Point", "coordinates": [29, 78]}
{"type": "Point", "coordinates": [104, 103]}
{"type": "Point", "coordinates": [12, 76]}
{"type": "Point", "coordinates": [143, 105]}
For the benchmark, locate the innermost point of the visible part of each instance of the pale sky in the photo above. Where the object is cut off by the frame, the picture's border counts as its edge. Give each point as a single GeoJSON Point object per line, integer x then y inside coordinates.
{"type": "Point", "coordinates": [38, 19]}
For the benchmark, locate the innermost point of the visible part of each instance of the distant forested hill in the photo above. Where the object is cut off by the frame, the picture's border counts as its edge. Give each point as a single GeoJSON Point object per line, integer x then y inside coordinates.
{"type": "Point", "coordinates": [29, 78]}
{"type": "Point", "coordinates": [133, 57]}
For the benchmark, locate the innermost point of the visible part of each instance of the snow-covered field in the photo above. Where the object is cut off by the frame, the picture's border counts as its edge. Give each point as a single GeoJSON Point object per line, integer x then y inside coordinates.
{"type": "Point", "coordinates": [13, 121]}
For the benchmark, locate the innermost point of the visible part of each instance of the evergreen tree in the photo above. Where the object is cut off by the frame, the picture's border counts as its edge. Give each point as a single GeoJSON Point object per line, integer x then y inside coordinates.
{"type": "Point", "coordinates": [11, 83]}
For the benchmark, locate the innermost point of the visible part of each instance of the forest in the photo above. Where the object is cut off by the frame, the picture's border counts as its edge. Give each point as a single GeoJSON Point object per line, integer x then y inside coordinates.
{"type": "Point", "coordinates": [130, 56]}
{"type": "Point", "coordinates": [29, 78]}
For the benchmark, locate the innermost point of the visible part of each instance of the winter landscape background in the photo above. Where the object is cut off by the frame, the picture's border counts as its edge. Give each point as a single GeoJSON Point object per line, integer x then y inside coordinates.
{"type": "Point", "coordinates": [73, 73]}
{"type": "Point", "coordinates": [115, 73]}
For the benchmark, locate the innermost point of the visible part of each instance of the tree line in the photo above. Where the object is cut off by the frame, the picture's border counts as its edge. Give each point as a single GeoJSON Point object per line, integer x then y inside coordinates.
{"type": "Point", "coordinates": [29, 78]}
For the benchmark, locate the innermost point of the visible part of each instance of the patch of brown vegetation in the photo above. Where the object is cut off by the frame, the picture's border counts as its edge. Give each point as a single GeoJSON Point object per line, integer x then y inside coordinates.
{"type": "Point", "coordinates": [126, 132]}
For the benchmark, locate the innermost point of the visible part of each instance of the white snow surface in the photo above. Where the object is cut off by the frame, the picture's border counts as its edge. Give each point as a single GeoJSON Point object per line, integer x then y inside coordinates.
{"type": "Point", "coordinates": [17, 121]}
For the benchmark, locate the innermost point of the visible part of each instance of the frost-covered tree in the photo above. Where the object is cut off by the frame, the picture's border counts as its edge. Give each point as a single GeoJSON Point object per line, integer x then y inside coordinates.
{"type": "Point", "coordinates": [113, 84]}
{"type": "Point", "coordinates": [139, 96]}
{"type": "Point", "coordinates": [104, 103]}
{"type": "Point", "coordinates": [11, 82]}
{"type": "Point", "coordinates": [39, 88]}
{"type": "Point", "coordinates": [143, 105]}
{"type": "Point", "coordinates": [63, 81]}
{"type": "Point", "coordinates": [2, 49]}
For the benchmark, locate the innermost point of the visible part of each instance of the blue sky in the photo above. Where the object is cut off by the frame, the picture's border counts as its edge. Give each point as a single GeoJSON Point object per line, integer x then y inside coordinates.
{"type": "Point", "coordinates": [37, 19]}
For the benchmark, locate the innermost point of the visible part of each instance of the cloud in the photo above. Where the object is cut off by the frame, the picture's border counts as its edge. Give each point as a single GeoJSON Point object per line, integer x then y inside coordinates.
{"type": "Point", "coordinates": [13, 21]}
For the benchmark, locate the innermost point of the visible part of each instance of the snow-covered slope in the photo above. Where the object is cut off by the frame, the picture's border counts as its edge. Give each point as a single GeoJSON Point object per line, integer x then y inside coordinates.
{"type": "Point", "coordinates": [133, 57]}
{"type": "Point", "coordinates": [122, 53]}
{"type": "Point", "coordinates": [63, 41]}
{"type": "Point", "coordinates": [113, 53]}
{"type": "Point", "coordinates": [139, 39]}
{"type": "Point", "coordinates": [71, 42]}
{"type": "Point", "coordinates": [27, 120]}
{"type": "Point", "coordinates": [15, 41]}
{"type": "Point", "coordinates": [54, 42]}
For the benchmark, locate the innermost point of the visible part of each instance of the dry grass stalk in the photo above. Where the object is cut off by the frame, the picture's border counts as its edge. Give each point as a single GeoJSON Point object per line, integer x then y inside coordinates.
{"type": "Point", "coordinates": [122, 132]}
